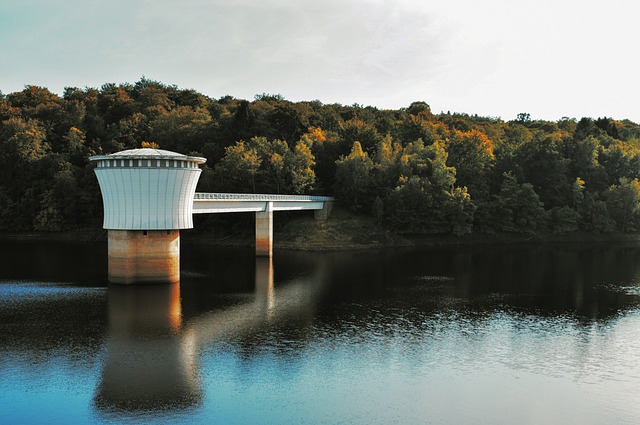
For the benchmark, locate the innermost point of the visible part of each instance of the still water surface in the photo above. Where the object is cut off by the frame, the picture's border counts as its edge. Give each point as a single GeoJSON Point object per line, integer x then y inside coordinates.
{"type": "Point", "coordinates": [545, 334]}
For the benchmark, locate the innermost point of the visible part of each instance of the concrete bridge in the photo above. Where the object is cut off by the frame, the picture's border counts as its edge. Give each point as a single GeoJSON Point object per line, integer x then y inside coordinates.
{"type": "Point", "coordinates": [149, 195]}
{"type": "Point", "coordinates": [263, 206]}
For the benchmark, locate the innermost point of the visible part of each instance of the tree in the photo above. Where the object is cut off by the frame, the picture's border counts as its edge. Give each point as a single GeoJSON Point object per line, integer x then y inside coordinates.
{"type": "Point", "coordinates": [523, 118]}
{"type": "Point", "coordinates": [288, 121]}
{"type": "Point", "coordinates": [620, 159]}
{"type": "Point", "coordinates": [584, 156]}
{"type": "Point", "coordinates": [419, 108]}
{"type": "Point", "coordinates": [577, 193]}
{"type": "Point", "coordinates": [75, 146]}
{"type": "Point", "coordinates": [23, 141]}
{"type": "Point", "coordinates": [518, 207]}
{"type": "Point", "coordinates": [299, 165]}
{"type": "Point", "coordinates": [116, 103]}
{"type": "Point", "coordinates": [411, 169]}
{"type": "Point", "coordinates": [586, 127]}
{"type": "Point", "coordinates": [326, 151]}
{"type": "Point", "coordinates": [416, 127]}
{"type": "Point", "coordinates": [410, 207]}
{"type": "Point", "coordinates": [356, 130]}
{"type": "Point", "coordinates": [459, 210]}
{"type": "Point", "coordinates": [236, 172]}
{"type": "Point", "coordinates": [353, 176]}
{"type": "Point", "coordinates": [471, 154]}
{"type": "Point", "coordinates": [442, 176]}
{"type": "Point", "coordinates": [387, 165]}
{"type": "Point", "coordinates": [545, 167]}
{"type": "Point", "coordinates": [276, 167]}
{"type": "Point", "coordinates": [623, 202]}
{"type": "Point", "coordinates": [182, 129]}
{"type": "Point", "coordinates": [594, 215]}
{"type": "Point", "coordinates": [564, 220]}
{"type": "Point", "coordinates": [377, 209]}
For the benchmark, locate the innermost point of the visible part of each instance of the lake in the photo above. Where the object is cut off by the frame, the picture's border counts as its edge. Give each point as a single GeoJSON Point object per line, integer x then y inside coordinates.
{"type": "Point", "coordinates": [526, 334]}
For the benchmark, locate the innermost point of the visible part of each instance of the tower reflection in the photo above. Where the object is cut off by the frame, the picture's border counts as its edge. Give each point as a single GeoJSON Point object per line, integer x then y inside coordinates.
{"type": "Point", "coordinates": [150, 362]}
{"type": "Point", "coordinates": [151, 355]}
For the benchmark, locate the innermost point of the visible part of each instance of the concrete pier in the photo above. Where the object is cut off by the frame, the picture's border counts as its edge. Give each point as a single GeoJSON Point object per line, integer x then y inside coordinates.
{"type": "Point", "coordinates": [144, 256]}
{"type": "Point", "coordinates": [323, 214]}
{"type": "Point", "coordinates": [264, 232]}
{"type": "Point", "coordinates": [263, 205]}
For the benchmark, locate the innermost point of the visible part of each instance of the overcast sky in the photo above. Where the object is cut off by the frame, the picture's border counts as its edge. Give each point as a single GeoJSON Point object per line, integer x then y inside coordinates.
{"type": "Point", "coordinates": [550, 58]}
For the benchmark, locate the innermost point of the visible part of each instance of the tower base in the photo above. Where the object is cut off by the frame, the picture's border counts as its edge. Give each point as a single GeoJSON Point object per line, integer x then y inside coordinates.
{"type": "Point", "coordinates": [144, 256]}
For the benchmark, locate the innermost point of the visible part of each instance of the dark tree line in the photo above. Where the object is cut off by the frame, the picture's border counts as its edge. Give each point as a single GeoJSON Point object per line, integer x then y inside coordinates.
{"type": "Point", "coordinates": [414, 171]}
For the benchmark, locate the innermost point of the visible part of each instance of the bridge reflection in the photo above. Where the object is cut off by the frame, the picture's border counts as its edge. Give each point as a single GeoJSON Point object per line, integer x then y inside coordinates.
{"type": "Point", "coordinates": [151, 360]}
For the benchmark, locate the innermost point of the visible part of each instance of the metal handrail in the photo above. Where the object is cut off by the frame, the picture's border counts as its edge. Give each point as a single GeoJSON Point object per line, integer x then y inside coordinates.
{"type": "Point", "coordinates": [259, 197]}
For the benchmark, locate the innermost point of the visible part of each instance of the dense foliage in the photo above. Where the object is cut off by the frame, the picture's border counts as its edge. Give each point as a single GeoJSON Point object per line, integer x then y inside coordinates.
{"type": "Point", "coordinates": [413, 170]}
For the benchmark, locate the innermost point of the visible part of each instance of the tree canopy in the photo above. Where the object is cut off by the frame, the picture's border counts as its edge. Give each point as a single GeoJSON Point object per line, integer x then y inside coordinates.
{"type": "Point", "coordinates": [413, 170]}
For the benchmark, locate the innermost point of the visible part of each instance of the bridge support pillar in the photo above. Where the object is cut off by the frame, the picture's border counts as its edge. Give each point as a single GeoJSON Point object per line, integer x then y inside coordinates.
{"type": "Point", "coordinates": [323, 214]}
{"type": "Point", "coordinates": [264, 232]}
{"type": "Point", "coordinates": [144, 256]}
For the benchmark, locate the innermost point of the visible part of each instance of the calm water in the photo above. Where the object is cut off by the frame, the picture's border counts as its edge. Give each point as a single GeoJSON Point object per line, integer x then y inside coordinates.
{"type": "Point", "coordinates": [521, 334]}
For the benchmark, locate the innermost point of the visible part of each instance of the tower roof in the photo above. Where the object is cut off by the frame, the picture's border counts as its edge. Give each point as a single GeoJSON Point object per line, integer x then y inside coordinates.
{"type": "Point", "coordinates": [149, 153]}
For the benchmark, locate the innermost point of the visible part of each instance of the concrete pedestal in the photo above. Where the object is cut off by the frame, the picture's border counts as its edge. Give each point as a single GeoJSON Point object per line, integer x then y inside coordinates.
{"type": "Point", "coordinates": [324, 213]}
{"type": "Point", "coordinates": [144, 256]}
{"type": "Point", "coordinates": [264, 232]}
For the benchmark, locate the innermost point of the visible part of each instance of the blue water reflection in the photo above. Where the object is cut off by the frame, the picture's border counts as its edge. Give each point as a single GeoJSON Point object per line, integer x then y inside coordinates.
{"type": "Point", "coordinates": [526, 334]}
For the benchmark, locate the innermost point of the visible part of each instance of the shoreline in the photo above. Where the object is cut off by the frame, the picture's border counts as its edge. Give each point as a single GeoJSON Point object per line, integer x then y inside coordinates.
{"type": "Point", "coordinates": [343, 231]}
{"type": "Point", "coordinates": [323, 242]}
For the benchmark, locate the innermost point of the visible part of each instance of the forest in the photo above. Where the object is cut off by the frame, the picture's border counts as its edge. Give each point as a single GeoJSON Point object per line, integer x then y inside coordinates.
{"type": "Point", "coordinates": [412, 170]}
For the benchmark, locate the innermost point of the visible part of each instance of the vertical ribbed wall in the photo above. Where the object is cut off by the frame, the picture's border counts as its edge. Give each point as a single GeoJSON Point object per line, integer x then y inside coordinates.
{"type": "Point", "coordinates": [147, 198]}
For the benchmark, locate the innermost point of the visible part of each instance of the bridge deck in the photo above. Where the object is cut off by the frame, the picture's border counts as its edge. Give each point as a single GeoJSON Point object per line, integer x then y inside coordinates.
{"type": "Point", "coordinates": [208, 203]}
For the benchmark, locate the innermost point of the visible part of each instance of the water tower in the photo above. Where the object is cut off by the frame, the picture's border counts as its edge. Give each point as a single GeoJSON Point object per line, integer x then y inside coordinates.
{"type": "Point", "coordinates": [148, 197]}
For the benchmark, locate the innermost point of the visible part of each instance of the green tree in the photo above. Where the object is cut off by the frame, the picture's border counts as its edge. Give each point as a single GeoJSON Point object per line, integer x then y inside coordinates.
{"type": "Point", "coordinates": [595, 215]}
{"type": "Point", "coordinates": [357, 130]}
{"type": "Point", "coordinates": [377, 209]}
{"type": "Point", "coordinates": [471, 154]}
{"type": "Point", "coordinates": [410, 207]}
{"type": "Point", "coordinates": [23, 141]}
{"type": "Point", "coordinates": [442, 176]}
{"type": "Point", "coordinates": [299, 165]}
{"type": "Point", "coordinates": [353, 176]}
{"type": "Point", "coordinates": [577, 192]}
{"type": "Point", "coordinates": [518, 207]}
{"type": "Point", "coordinates": [116, 103]}
{"type": "Point", "coordinates": [183, 129]}
{"type": "Point", "coordinates": [623, 203]}
{"type": "Point", "coordinates": [546, 168]}
{"type": "Point", "coordinates": [564, 220]}
{"type": "Point", "coordinates": [459, 210]}
{"type": "Point", "coordinates": [237, 171]}
{"type": "Point", "coordinates": [288, 121]}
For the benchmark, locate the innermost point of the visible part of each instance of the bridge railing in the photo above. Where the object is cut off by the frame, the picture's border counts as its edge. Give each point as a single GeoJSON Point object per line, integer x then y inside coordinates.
{"type": "Point", "coordinates": [260, 197]}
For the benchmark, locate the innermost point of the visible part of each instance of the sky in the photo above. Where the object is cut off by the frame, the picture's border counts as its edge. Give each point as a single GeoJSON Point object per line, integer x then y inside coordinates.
{"type": "Point", "coordinates": [496, 58]}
